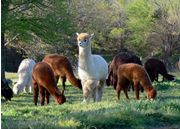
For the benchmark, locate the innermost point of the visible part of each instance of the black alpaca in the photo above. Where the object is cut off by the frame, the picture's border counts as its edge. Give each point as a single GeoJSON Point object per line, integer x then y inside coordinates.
{"type": "Point", "coordinates": [154, 67]}
{"type": "Point", "coordinates": [6, 91]}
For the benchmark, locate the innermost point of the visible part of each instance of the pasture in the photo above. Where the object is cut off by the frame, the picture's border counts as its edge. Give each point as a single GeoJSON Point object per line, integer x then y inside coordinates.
{"type": "Point", "coordinates": [162, 113]}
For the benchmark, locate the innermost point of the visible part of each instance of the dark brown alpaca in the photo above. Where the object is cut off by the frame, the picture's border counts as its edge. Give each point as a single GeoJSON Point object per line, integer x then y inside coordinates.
{"type": "Point", "coordinates": [119, 59]}
{"type": "Point", "coordinates": [45, 83]}
{"type": "Point", "coordinates": [137, 75]}
{"type": "Point", "coordinates": [62, 68]}
{"type": "Point", "coordinates": [154, 67]}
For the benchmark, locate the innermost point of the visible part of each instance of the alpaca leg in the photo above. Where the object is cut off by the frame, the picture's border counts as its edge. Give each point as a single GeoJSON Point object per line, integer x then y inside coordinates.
{"type": "Point", "coordinates": [85, 94]}
{"type": "Point", "coordinates": [125, 87]}
{"type": "Point", "coordinates": [141, 89]}
{"type": "Point", "coordinates": [99, 93]}
{"type": "Point", "coordinates": [126, 93]}
{"type": "Point", "coordinates": [47, 96]}
{"type": "Point", "coordinates": [88, 86]}
{"type": "Point", "coordinates": [42, 94]}
{"type": "Point", "coordinates": [94, 94]}
{"type": "Point", "coordinates": [136, 89]}
{"type": "Point", "coordinates": [99, 90]}
{"type": "Point", "coordinates": [118, 90]}
{"type": "Point", "coordinates": [25, 89]}
{"type": "Point", "coordinates": [63, 79]}
{"type": "Point", "coordinates": [30, 85]}
{"type": "Point", "coordinates": [153, 76]}
{"type": "Point", "coordinates": [57, 78]}
{"type": "Point", "coordinates": [122, 84]}
{"type": "Point", "coordinates": [36, 92]}
{"type": "Point", "coordinates": [30, 88]}
{"type": "Point", "coordinates": [23, 82]}
{"type": "Point", "coordinates": [16, 89]}
{"type": "Point", "coordinates": [156, 77]}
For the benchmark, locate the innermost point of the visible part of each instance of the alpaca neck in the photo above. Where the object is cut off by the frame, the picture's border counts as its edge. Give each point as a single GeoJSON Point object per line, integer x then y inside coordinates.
{"type": "Point", "coordinates": [148, 88]}
{"type": "Point", "coordinates": [72, 79]}
{"type": "Point", "coordinates": [84, 56]}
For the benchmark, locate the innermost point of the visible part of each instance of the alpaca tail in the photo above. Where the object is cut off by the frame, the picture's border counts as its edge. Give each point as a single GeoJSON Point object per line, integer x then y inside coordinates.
{"type": "Point", "coordinates": [169, 77]}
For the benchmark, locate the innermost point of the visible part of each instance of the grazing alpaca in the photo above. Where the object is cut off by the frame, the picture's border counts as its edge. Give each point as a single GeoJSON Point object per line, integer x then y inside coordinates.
{"type": "Point", "coordinates": [155, 67]}
{"type": "Point", "coordinates": [45, 83]}
{"type": "Point", "coordinates": [61, 67]}
{"type": "Point", "coordinates": [24, 76]}
{"type": "Point", "coordinates": [92, 69]}
{"type": "Point", "coordinates": [137, 75]}
{"type": "Point", "coordinates": [6, 91]}
{"type": "Point", "coordinates": [119, 59]}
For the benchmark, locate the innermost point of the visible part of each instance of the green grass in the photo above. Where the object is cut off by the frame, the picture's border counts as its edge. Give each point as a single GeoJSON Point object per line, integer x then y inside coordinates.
{"type": "Point", "coordinates": [162, 113]}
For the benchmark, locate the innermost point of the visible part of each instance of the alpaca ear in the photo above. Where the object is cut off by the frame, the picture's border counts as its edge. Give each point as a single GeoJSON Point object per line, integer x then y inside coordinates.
{"type": "Point", "coordinates": [91, 36]}
{"type": "Point", "coordinates": [77, 33]}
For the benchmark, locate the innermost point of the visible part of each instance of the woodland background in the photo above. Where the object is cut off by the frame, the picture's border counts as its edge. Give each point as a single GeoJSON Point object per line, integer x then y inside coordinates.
{"type": "Point", "coordinates": [148, 28]}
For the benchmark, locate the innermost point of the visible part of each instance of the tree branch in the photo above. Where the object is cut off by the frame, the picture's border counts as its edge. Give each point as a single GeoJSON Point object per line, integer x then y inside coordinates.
{"type": "Point", "coordinates": [11, 40]}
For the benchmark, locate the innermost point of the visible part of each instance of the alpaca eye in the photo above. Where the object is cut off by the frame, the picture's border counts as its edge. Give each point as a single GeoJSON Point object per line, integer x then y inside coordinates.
{"type": "Point", "coordinates": [85, 40]}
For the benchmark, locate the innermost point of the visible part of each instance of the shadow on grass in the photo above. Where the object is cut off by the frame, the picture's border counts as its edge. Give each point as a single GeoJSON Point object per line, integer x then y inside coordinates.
{"type": "Point", "coordinates": [8, 122]}
{"type": "Point", "coordinates": [124, 119]}
{"type": "Point", "coordinates": [104, 118]}
{"type": "Point", "coordinates": [164, 98]}
{"type": "Point", "coordinates": [167, 85]}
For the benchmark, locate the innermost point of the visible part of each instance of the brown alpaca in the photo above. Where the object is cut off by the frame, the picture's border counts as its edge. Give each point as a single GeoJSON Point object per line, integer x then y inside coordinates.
{"type": "Point", "coordinates": [137, 75]}
{"type": "Point", "coordinates": [62, 68]}
{"type": "Point", "coordinates": [45, 83]}
{"type": "Point", "coordinates": [119, 59]}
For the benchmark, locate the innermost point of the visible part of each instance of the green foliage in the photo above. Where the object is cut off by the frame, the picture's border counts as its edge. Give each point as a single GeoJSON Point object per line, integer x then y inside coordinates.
{"type": "Point", "coordinates": [139, 21]}
{"type": "Point", "coordinates": [42, 19]}
{"type": "Point", "coordinates": [116, 32]}
{"type": "Point", "coordinates": [142, 26]}
{"type": "Point", "coordinates": [109, 113]}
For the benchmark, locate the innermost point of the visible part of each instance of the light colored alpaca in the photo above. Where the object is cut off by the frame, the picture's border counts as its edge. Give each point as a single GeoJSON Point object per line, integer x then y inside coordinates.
{"type": "Point", "coordinates": [92, 69]}
{"type": "Point", "coordinates": [24, 76]}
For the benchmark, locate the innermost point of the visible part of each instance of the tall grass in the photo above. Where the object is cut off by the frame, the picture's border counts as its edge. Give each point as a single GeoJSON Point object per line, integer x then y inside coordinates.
{"type": "Point", "coordinates": [164, 112]}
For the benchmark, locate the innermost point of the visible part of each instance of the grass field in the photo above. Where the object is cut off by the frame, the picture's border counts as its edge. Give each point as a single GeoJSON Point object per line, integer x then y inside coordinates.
{"type": "Point", "coordinates": [162, 113]}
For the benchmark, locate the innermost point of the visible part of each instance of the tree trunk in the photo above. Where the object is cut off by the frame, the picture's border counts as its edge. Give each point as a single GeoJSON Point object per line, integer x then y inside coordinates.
{"type": "Point", "coordinates": [2, 56]}
{"type": "Point", "coordinates": [166, 56]}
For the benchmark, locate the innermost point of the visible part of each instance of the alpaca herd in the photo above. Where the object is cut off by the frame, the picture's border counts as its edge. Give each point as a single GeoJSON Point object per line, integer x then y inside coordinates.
{"type": "Point", "coordinates": [94, 74]}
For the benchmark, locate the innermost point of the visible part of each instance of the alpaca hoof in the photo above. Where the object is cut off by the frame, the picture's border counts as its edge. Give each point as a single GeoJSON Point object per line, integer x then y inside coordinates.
{"type": "Point", "coordinates": [84, 101]}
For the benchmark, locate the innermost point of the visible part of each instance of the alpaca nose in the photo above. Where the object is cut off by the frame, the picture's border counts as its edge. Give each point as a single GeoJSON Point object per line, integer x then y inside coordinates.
{"type": "Point", "coordinates": [80, 43]}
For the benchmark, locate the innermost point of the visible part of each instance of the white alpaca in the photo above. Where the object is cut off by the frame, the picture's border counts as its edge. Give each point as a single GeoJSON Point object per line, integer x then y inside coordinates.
{"type": "Point", "coordinates": [24, 76]}
{"type": "Point", "coordinates": [92, 69]}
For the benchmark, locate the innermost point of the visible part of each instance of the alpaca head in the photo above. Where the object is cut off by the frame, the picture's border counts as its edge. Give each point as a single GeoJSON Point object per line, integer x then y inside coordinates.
{"type": "Point", "coordinates": [152, 94]}
{"type": "Point", "coordinates": [16, 89]}
{"type": "Point", "coordinates": [6, 91]}
{"type": "Point", "coordinates": [84, 39]}
{"type": "Point", "coordinates": [59, 97]}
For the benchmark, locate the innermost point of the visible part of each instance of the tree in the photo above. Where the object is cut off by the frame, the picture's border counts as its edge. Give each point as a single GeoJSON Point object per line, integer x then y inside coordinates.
{"type": "Point", "coordinates": [139, 23]}
{"type": "Point", "coordinates": [104, 18]}
{"type": "Point", "coordinates": [166, 30]}
{"type": "Point", "coordinates": [33, 22]}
